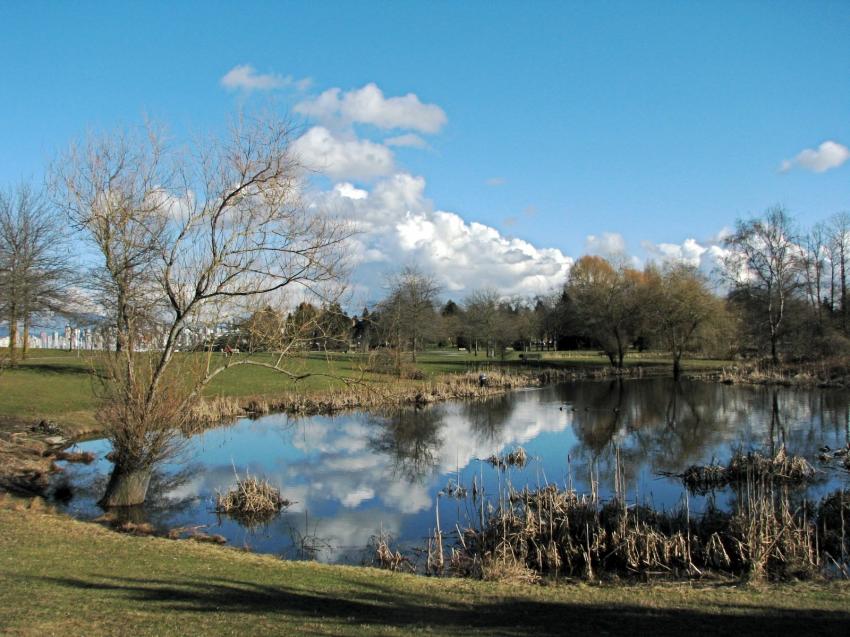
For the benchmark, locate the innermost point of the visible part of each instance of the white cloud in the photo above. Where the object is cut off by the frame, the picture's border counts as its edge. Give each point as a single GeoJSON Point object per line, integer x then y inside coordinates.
{"type": "Point", "coordinates": [367, 105]}
{"type": "Point", "coordinates": [495, 181]}
{"type": "Point", "coordinates": [409, 140]}
{"type": "Point", "coordinates": [827, 156]}
{"type": "Point", "coordinates": [398, 225]}
{"type": "Point", "coordinates": [245, 77]}
{"type": "Point", "coordinates": [688, 251]}
{"type": "Point", "coordinates": [349, 191]}
{"type": "Point", "coordinates": [359, 159]}
{"type": "Point", "coordinates": [609, 244]}
{"type": "Point", "coordinates": [706, 255]}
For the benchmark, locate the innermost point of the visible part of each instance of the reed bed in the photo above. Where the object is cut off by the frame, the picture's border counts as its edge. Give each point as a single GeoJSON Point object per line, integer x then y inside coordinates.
{"type": "Point", "coordinates": [216, 410]}
{"type": "Point", "coordinates": [742, 467]}
{"type": "Point", "coordinates": [555, 532]}
{"type": "Point", "coordinates": [251, 502]}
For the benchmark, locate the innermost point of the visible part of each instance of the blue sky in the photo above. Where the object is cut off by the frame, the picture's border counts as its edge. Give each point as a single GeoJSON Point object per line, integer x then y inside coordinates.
{"type": "Point", "coordinates": [658, 121]}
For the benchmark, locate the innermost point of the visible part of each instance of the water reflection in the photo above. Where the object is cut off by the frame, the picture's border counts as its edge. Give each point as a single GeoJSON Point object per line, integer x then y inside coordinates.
{"type": "Point", "coordinates": [411, 438]}
{"type": "Point", "coordinates": [356, 475]}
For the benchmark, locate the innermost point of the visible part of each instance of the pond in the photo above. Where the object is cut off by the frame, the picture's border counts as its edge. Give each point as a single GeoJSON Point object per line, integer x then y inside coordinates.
{"type": "Point", "coordinates": [356, 475]}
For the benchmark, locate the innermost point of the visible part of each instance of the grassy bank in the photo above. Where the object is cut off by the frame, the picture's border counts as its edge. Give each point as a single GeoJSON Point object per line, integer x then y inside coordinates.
{"type": "Point", "coordinates": [60, 386]}
{"type": "Point", "coordinates": [59, 576]}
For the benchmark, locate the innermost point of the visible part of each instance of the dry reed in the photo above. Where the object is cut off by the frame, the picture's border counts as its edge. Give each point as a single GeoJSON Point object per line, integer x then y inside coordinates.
{"type": "Point", "coordinates": [743, 467]}
{"type": "Point", "coordinates": [549, 531]}
{"type": "Point", "coordinates": [251, 502]}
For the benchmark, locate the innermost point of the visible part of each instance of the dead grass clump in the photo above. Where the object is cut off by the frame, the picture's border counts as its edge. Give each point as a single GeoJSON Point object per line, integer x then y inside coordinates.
{"type": "Point", "coordinates": [208, 538]}
{"type": "Point", "coordinates": [507, 569]}
{"type": "Point", "coordinates": [83, 457]}
{"type": "Point", "coordinates": [782, 467]}
{"type": "Point", "coordinates": [454, 490]}
{"type": "Point", "coordinates": [751, 466]}
{"type": "Point", "coordinates": [702, 479]}
{"type": "Point", "coordinates": [516, 458]}
{"type": "Point", "coordinates": [134, 528]}
{"type": "Point", "coordinates": [107, 518]}
{"type": "Point", "coordinates": [251, 502]}
{"type": "Point", "coordinates": [385, 558]}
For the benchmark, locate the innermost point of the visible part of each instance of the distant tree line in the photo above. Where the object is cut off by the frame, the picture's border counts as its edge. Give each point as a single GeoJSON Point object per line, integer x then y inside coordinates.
{"type": "Point", "coordinates": [777, 293]}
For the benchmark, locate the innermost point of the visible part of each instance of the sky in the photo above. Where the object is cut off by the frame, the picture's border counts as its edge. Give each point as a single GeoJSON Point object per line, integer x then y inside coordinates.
{"type": "Point", "coordinates": [489, 143]}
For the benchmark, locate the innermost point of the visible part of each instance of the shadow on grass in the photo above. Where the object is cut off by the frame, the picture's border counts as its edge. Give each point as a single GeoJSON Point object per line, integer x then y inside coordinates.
{"type": "Point", "coordinates": [52, 368]}
{"type": "Point", "coordinates": [378, 605]}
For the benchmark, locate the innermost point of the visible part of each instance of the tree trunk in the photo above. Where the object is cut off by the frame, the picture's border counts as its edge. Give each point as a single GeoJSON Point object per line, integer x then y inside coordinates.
{"type": "Point", "coordinates": [843, 274]}
{"type": "Point", "coordinates": [13, 334]}
{"type": "Point", "coordinates": [677, 368]}
{"type": "Point", "coordinates": [621, 353]}
{"type": "Point", "coordinates": [26, 341]}
{"type": "Point", "coordinates": [127, 487]}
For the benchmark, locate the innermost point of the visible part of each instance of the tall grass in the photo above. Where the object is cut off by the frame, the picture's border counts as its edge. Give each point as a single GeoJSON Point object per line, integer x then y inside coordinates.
{"type": "Point", "coordinates": [549, 531]}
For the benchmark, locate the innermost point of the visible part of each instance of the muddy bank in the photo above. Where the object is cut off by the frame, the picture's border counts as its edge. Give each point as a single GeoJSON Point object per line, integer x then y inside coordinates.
{"type": "Point", "coordinates": [28, 456]}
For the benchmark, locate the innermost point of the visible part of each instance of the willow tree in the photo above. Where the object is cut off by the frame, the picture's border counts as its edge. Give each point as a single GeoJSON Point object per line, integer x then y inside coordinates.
{"type": "Point", "coordinates": [607, 303]}
{"type": "Point", "coordinates": [184, 236]}
{"type": "Point", "coordinates": [680, 308]}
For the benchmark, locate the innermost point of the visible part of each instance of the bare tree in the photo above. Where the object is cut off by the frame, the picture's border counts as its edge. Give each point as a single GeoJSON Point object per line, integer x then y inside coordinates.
{"type": "Point", "coordinates": [840, 245]}
{"type": "Point", "coordinates": [187, 237]}
{"type": "Point", "coordinates": [491, 320]}
{"type": "Point", "coordinates": [762, 267]}
{"type": "Point", "coordinates": [812, 260]}
{"type": "Point", "coordinates": [35, 263]}
{"type": "Point", "coordinates": [408, 314]}
{"type": "Point", "coordinates": [482, 308]}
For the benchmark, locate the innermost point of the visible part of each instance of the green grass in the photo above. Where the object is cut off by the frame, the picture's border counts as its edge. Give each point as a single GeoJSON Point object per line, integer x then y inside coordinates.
{"type": "Point", "coordinates": [60, 385]}
{"type": "Point", "coordinates": [60, 576]}
{"type": "Point", "coordinates": [49, 384]}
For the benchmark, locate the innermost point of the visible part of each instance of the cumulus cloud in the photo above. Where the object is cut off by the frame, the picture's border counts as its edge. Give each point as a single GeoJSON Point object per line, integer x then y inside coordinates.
{"type": "Point", "coordinates": [706, 255]}
{"type": "Point", "coordinates": [367, 105]}
{"type": "Point", "coordinates": [339, 158]}
{"type": "Point", "coordinates": [825, 157]}
{"type": "Point", "coordinates": [398, 224]}
{"type": "Point", "coordinates": [245, 77]}
{"type": "Point", "coordinates": [608, 244]}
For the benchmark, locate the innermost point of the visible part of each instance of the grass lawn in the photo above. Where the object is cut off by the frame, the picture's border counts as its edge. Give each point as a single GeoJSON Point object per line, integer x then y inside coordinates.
{"type": "Point", "coordinates": [59, 576]}
{"type": "Point", "coordinates": [60, 385]}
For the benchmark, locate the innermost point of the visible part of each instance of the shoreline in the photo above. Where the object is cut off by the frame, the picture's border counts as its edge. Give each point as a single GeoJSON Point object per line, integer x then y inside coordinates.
{"type": "Point", "coordinates": [29, 450]}
{"type": "Point", "coordinates": [44, 453]}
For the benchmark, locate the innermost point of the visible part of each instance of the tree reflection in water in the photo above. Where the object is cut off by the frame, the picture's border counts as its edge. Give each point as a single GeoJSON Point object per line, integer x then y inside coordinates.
{"type": "Point", "coordinates": [487, 418]}
{"type": "Point", "coordinates": [663, 423]}
{"type": "Point", "coordinates": [411, 438]}
{"type": "Point", "coordinates": [165, 495]}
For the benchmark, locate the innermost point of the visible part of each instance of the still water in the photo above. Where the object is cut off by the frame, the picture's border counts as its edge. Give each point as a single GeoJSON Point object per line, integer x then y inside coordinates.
{"type": "Point", "coordinates": [358, 474]}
